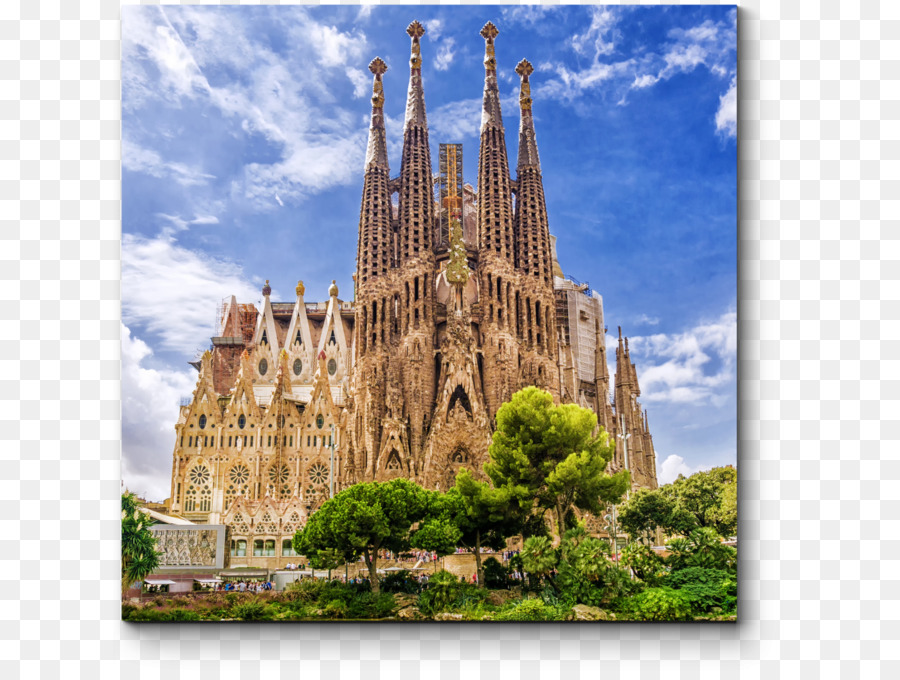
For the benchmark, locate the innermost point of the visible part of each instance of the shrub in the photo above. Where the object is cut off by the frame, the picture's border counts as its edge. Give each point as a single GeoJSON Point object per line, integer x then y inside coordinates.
{"type": "Point", "coordinates": [660, 604]}
{"type": "Point", "coordinates": [702, 548]}
{"type": "Point", "coordinates": [253, 610]}
{"type": "Point", "coordinates": [530, 609]}
{"type": "Point", "coordinates": [444, 592]}
{"type": "Point", "coordinates": [643, 560]}
{"type": "Point", "coordinates": [495, 574]}
{"type": "Point", "coordinates": [707, 588]}
{"type": "Point", "coordinates": [306, 590]}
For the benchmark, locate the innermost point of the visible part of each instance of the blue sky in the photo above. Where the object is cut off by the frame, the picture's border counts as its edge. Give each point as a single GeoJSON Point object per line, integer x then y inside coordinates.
{"type": "Point", "coordinates": [244, 132]}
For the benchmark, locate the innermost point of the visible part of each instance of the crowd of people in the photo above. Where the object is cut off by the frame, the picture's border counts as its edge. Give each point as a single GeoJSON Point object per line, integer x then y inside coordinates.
{"type": "Point", "coordinates": [245, 586]}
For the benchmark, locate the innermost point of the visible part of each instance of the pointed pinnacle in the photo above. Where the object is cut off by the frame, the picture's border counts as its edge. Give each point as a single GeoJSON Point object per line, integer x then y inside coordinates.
{"type": "Point", "coordinates": [524, 68]}
{"type": "Point", "coordinates": [489, 32]}
{"type": "Point", "coordinates": [378, 67]}
{"type": "Point", "coordinates": [415, 30]}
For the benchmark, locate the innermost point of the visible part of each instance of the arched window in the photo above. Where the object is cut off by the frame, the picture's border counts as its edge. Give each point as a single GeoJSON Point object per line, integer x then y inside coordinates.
{"type": "Point", "coordinates": [202, 422]}
{"type": "Point", "coordinates": [269, 549]}
{"type": "Point", "coordinates": [287, 548]}
{"type": "Point", "coordinates": [258, 548]}
{"type": "Point", "coordinates": [242, 421]}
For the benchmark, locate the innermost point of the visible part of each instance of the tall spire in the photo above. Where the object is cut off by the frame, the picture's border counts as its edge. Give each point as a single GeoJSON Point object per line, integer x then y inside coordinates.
{"type": "Point", "coordinates": [376, 153]}
{"type": "Point", "coordinates": [494, 191]}
{"type": "Point", "coordinates": [534, 250]}
{"type": "Point", "coordinates": [490, 114]}
{"type": "Point", "coordinates": [374, 250]}
{"type": "Point", "coordinates": [416, 187]}
{"type": "Point", "coordinates": [415, 98]}
{"type": "Point", "coordinates": [528, 153]}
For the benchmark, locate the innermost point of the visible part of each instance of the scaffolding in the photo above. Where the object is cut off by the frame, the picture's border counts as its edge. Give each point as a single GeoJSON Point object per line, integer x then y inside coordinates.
{"type": "Point", "coordinates": [243, 327]}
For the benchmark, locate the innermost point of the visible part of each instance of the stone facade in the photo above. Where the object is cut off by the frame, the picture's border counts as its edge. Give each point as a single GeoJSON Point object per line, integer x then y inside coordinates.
{"type": "Point", "coordinates": [405, 381]}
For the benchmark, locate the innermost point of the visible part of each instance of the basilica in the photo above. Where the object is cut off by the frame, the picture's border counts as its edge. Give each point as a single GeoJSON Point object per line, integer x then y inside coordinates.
{"type": "Point", "coordinates": [459, 302]}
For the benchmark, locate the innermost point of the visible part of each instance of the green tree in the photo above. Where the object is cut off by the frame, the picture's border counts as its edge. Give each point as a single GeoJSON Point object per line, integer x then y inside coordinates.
{"type": "Point", "coordinates": [547, 457]}
{"type": "Point", "coordinates": [485, 516]}
{"type": "Point", "coordinates": [650, 509]}
{"type": "Point", "coordinates": [702, 548]}
{"type": "Point", "coordinates": [139, 556]}
{"type": "Point", "coordinates": [702, 495]}
{"type": "Point", "coordinates": [360, 521]}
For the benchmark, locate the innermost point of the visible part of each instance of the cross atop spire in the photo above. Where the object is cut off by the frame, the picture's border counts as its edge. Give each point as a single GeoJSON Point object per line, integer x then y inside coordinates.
{"type": "Point", "coordinates": [415, 30]}
{"type": "Point", "coordinates": [378, 67]}
{"type": "Point", "coordinates": [489, 32]}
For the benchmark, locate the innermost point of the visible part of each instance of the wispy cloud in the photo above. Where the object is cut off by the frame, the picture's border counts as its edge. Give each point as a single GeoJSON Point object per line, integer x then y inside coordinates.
{"type": "Point", "coordinates": [275, 96]}
{"type": "Point", "coordinates": [691, 367]}
{"type": "Point", "coordinates": [457, 120]}
{"type": "Point", "coordinates": [150, 398]}
{"type": "Point", "coordinates": [178, 223]}
{"type": "Point", "coordinates": [172, 293]}
{"type": "Point", "coordinates": [445, 55]}
{"type": "Point", "coordinates": [726, 116]}
{"type": "Point", "coordinates": [136, 158]}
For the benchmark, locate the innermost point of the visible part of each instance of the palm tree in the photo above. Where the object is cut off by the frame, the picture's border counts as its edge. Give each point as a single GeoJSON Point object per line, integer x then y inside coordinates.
{"type": "Point", "coordinates": [139, 556]}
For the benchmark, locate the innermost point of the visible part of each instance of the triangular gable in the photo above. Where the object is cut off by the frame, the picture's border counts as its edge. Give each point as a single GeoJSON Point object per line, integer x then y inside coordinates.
{"type": "Point", "coordinates": [266, 328]}
{"type": "Point", "coordinates": [243, 390]}
{"type": "Point", "coordinates": [205, 399]}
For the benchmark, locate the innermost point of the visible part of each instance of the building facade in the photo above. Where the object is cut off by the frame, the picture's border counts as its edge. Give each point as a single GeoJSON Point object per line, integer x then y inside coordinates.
{"type": "Point", "coordinates": [458, 303]}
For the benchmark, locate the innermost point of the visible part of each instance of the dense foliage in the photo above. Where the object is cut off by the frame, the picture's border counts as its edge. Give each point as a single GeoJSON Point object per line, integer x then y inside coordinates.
{"type": "Point", "coordinates": [139, 556]}
{"type": "Point", "coordinates": [360, 521]}
{"type": "Point", "coordinates": [547, 457]}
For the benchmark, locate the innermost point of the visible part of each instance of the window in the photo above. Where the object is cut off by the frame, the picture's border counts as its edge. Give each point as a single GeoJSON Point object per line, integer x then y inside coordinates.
{"type": "Point", "coordinates": [320, 419]}
{"type": "Point", "coordinates": [332, 367]}
{"type": "Point", "coordinates": [258, 548]}
{"type": "Point", "coordinates": [269, 549]}
{"type": "Point", "coordinates": [242, 421]}
{"type": "Point", "coordinates": [287, 548]}
{"type": "Point", "coordinates": [239, 548]}
{"type": "Point", "coordinates": [263, 366]}
{"type": "Point", "coordinates": [202, 422]}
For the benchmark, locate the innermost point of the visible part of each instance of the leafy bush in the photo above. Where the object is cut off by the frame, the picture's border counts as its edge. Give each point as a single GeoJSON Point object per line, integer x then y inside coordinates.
{"type": "Point", "coordinates": [707, 588]}
{"type": "Point", "coordinates": [370, 606]}
{"type": "Point", "coordinates": [702, 548]}
{"type": "Point", "coordinates": [660, 604]}
{"type": "Point", "coordinates": [495, 575]}
{"type": "Point", "coordinates": [305, 590]}
{"type": "Point", "coordinates": [530, 609]}
{"type": "Point", "coordinates": [445, 591]}
{"type": "Point", "coordinates": [253, 610]}
{"type": "Point", "coordinates": [643, 560]}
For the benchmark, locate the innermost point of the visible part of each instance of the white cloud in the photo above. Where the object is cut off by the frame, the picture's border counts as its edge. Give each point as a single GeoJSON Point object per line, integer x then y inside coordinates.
{"type": "Point", "coordinates": [726, 116]}
{"type": "Point", "coordinates": [433, 28]}
{"type": "Point", "coordinates": [273, 95]}
{"type": "Point", "coordinates": [180, 224]}
{"type": "Point", "coordinates": [360, 80]}
{"type": "Point", "coordinates": [136, 158]}
{"type": "Point", "coordinates": [365, 12]}
{"type": "Point", "coordinates": [696, 366]}
{"type": "Point", "coordinates": [445, 55]}
{"type": "Point", "coordinates": [643, 81]}
{"type": "Point", "coordinates": [172, 292]}
{"type": "Point", "coordinates": [527, 15]}
{"type": "Point", "coordinates": [597, 40]}
{"type": "Point", "coordinates": [456, 120]}
{"type": "Point", "coordinates": [150, 400]}
{"type": "Point", "coordinates": [673, 466]}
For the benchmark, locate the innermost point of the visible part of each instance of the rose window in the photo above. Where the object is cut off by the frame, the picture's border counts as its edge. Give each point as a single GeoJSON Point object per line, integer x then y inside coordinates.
{"type": "Point", "coordinates": [239, 474]}
{"type": "Point", "coordinates": [199, 475]}
{"type": "Point", "coordinates": [279, 474]}
{"type": "Point", "coordinates": [318, 473]}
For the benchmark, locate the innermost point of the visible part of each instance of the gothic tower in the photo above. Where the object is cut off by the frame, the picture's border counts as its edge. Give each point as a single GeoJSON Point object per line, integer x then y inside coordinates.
{"type": "Point", "coordinates": [374, 292]}
{"type": "Point", "coordinates": [415, 359]}
{"type": "Point", "coordinates": [534, 261]}
{"type": "Point", "coordinates": [502, 308]}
